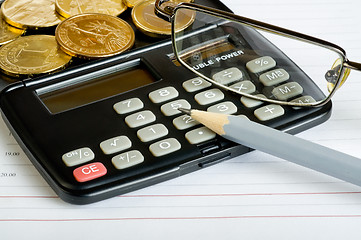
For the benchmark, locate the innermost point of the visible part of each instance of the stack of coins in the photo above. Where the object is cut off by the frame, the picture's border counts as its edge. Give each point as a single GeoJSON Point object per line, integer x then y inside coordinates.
{"type": "Point", "coordinates": [73, 28]}
{"type": "Point", "coordinates": [7, 32]}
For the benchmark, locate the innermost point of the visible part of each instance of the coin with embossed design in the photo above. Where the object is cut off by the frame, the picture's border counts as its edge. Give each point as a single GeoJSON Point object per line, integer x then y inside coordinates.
{"type": "Point", "coordinates": [68, 8]}
{"type": "Point", "coordinates": [32, 55]}
{"type": "Point", "coordinates": [94, 35]}
{"type": "Point", "coordinates": [7, 32]}
{"type": "Point", "coordinates": [149, 23]}
{"type": "Point", "coordinates": [30, 13]}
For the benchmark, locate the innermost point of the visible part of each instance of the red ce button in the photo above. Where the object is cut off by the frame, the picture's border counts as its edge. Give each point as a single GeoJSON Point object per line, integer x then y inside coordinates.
{"type": "Point", "coordinates": [89, 172]}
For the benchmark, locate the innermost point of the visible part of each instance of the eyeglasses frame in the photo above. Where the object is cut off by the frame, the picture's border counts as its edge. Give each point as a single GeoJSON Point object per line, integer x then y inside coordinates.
{"type": "Point", "coordinates": [168, 13]}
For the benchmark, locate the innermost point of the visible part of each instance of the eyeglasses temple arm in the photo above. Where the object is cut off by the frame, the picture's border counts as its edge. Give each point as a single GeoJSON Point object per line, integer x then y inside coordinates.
{"type": "Point", "coordinates": [352, 65]}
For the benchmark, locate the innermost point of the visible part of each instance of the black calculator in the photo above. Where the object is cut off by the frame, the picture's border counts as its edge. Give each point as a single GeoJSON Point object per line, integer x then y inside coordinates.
{"type": "Point", "coordinates": [111, 126]}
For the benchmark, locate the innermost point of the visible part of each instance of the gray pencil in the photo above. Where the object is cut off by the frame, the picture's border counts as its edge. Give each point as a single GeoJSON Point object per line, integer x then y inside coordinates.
{"type": "Point", "coordinates": [283, 145]}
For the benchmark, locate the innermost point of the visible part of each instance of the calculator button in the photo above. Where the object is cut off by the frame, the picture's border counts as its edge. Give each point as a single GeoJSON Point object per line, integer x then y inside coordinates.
{"type": "Point", "coordinates": [250, 103]}
{"type": "Point", "coordinates": [269, 112]}
{"type": "Point", "coordinates": [115, 144]}
{"type": "Point", "coordinates": [224, 107]}
{"type": "Point", "coordinates": [184, 122]}
{"type": "Point", "coordinates": [129, 105]}
{"type": "Point", "coordinates": [195, 84]}
{"type": "Point", "coordinates": [304, 99]}
{"type": "Point", "coordinates": [228, 76]}
{"type": "Point", "coordinates": [163, 94]}
{"type": "Point", "coordinates": [261, 64]}
{"type": "Point", "coordinates": [244, 87]}
{"type": "Point", "coordinates": [209, 96]}
{"type": "Point", "coordinates": [127, 159]}
{"type": "Point", "coordinates": [140, 119]}
{"type": "Point", "coordinates": [152, 132]}
{"type": "Point", "coordinates": [199, 135]}
{"type": "Point", "coordinates": [171, 108]}
{"type": "Point", "coordinates": [287, 91]}
{"type": "Point", "coordinates": [89, 172]}
{"type": "Point", "coordinates": [274, 77]}
{"type": "Point", "coordinates": [78, 156]}
{"type": "Point", "coordinates": [164, 147]}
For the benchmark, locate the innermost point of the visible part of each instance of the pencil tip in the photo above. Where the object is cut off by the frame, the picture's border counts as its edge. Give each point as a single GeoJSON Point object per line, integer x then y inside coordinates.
{"type": "Point", "coordinates": [186, 111]}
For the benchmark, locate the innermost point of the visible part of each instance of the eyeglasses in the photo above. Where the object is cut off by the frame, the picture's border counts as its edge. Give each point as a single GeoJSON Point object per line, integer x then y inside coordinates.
{"type": "Point", "coordinates": [255, 59]}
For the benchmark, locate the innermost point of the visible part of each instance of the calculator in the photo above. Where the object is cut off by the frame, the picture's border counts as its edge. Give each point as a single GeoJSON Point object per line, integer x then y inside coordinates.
{"type": "Point", "coordinates": [112, 126]}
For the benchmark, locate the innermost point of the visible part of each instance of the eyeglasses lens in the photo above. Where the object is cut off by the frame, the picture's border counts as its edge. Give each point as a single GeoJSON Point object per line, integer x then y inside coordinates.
{"type": "Point", "coordinates": [247, 60]}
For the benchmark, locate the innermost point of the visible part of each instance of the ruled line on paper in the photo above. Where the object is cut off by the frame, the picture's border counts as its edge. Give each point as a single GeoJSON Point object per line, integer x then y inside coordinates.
{"type": "Point", "coordinates": [180, 218]}
{"type": "Point", "coordinates": [204, 195]}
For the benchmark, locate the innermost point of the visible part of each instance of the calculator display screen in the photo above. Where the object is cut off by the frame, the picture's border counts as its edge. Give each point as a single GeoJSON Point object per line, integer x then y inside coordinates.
{"type": "Point", "coordinates": [95, 88]}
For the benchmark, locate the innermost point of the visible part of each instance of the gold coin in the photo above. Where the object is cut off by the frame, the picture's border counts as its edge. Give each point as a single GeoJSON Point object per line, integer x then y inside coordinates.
{"type": "Point", "coordinates": [132, 3]}
{"type": "Point", "coordinates": [7, 32]}
{"type": "Point", "coordinates": [94, 35]}
{"type": "Point", "coordinates": [32, 55]}
{"type": "Point", "coordinates": [30, 13]}
{"type": "Point", "coordinates": [149, 23]}
{"type": "Point", "coordinates": [68, 8]}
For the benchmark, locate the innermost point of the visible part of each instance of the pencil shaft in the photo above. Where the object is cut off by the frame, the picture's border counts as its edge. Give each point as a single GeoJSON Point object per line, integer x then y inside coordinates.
{"type": "Point", "coordinates": [294, 149]}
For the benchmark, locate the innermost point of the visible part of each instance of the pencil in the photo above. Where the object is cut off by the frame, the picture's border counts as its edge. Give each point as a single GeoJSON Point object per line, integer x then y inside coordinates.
{"type": "Point", "coordinates": [280, 144]}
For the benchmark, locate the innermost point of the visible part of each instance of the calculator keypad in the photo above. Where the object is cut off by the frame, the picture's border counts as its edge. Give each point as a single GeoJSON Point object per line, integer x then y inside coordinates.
{"type": "Point", "coordinates": [204, 95]}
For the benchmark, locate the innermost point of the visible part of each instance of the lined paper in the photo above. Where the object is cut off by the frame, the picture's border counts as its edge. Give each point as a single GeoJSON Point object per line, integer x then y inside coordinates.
{"type": "Point", "coordinates": [253, 196]}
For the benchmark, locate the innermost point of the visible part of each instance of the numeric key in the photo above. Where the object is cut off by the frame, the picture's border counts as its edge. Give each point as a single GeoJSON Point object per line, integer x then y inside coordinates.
{"type": "Point", "coordinates": [152, 132]}
{"type": "Point", "coordinates": [129, 105]}
{"type": "Point", "coordinates": [163, 94]}
{"type": "Point", "coordinates": [164, 147]}
{"type": "Point", "coordinates": [140, 119]}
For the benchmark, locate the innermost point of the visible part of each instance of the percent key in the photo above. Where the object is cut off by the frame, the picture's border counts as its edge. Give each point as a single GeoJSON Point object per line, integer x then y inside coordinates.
{"type": "Point", "coordinates": [261, 64]}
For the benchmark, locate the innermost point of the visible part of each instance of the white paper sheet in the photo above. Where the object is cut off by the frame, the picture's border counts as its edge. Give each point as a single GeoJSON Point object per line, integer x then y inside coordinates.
{"type": "Point", "coordinates": [254, 196]}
